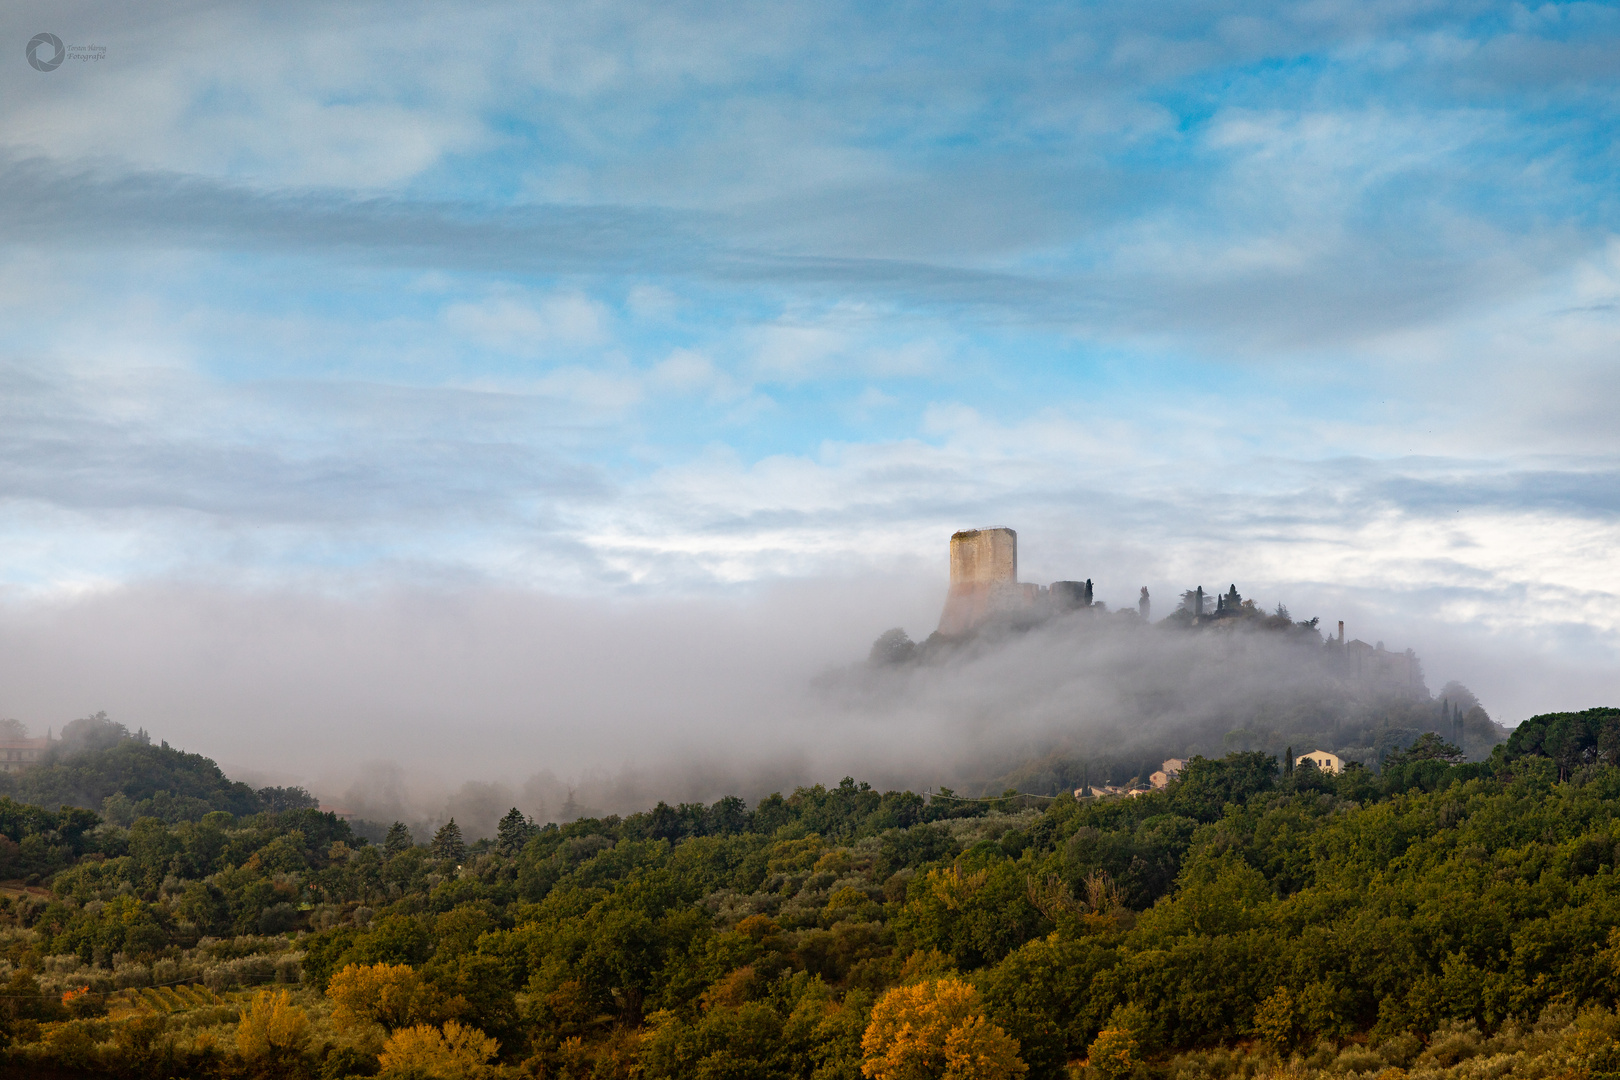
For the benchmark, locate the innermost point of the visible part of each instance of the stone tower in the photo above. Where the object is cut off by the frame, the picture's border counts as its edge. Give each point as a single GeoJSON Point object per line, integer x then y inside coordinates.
{"type": "Point", "coordinates": [984, 578]}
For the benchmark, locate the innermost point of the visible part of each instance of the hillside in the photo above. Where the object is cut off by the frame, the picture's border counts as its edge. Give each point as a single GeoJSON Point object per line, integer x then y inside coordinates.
{"type": "Point", "coordinates": [101, 765]}
{"type": "Point", "coordinates": [1092, 696]}
{"type": "Point", "coordinates": [1424, 916]}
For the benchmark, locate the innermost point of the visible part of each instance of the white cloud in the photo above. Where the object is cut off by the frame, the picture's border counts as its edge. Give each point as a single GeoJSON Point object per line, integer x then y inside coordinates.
{"type": "Point", "coordinates": [845, 340]}
{"type": "Point", "coordinates": [527, 326]}
{"type": "Point", "coordinates": [685, 370]}
{"type": "Point", "coordinates": [794, 353]}
{"type": "Point", "coordinates": [323, 97]}
{"type": "Point", "coordinates": [651, 302]}
{"type": "Point", "coordinates": [606, 391]}
{"type": "Point", "coordinates": [870, 402]}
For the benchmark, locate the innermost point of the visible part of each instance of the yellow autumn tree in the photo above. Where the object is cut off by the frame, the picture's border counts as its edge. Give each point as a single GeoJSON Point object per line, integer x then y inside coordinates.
{"type": "Point", "coordinates": [455, 1053]}
{"type": "Point", "coordinates": [1274, 1020]}
{"type": "Point", "coordinates": [936, 1030]}
{"type": "Point", "coordinates": [392, 995]}
{"type": "Point", "coordinates": [1113, 1053]}
{"type": "Point", "coordinates": [272, 1032]}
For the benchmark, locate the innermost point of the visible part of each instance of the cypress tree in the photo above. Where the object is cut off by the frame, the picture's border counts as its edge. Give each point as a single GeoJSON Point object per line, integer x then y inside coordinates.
{"type": "Point", "coordinates": [513, 833]}
{"type": "Point", "coordinates": [398, 840]}
{"type": "Point", "coordinates": [448, 844]}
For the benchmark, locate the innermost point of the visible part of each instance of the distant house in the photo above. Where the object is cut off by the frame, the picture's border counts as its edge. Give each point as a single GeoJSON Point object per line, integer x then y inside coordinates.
{"type": "Point", "coordinates": [1108, 791]}
{"type": "Point", "coordinates": [1323, 760]}
{"type": "Point", "coordinates": [1167, 772]}
{"type": "Point", "coordinates": [18, 754]}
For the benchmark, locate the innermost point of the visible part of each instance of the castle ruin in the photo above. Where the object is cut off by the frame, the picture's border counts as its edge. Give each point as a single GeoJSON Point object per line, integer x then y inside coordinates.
{"type": "Point", "coordinates": [985, 585]}
{"type": "Point", "coordinates": [984, 578]}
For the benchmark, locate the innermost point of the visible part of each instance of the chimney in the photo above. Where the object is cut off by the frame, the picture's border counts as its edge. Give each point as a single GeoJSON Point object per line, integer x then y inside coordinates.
{"type": "Point", "coordinates": [1341, 631]}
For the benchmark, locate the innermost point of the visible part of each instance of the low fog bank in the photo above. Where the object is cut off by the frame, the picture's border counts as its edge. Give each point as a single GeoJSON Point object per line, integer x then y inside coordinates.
{"type": "Point", "coordinates": [1104, 697]}
{"type": "Point", "coordinates": [392, 699]}
{"type": "Point", "coordinates": [1087, 697]}
{"type": "Point", "coordinates": [420, 705]}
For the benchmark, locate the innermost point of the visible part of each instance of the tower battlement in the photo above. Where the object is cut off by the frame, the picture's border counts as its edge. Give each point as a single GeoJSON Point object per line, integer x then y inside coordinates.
{"type": "Point", "coordinates": [985, 585]}
{"type": "Point", "coordinates": [984, 578]}
{"type": "Point", "coordinates": [984, 557]}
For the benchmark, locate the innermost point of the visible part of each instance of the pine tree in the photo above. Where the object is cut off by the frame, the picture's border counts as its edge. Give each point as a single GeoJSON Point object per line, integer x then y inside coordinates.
{"type": "Point", "coordinates": [398, 840]}
{"type": "Point", "coordinates": [513, 833]}
{"type": "Point", "coordinates": [448, 844]}
{"type": "Point", "coordinates": [1288, 762]}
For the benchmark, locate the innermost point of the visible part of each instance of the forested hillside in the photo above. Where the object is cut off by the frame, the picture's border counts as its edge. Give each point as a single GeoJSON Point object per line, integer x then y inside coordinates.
{"type": "Point", "coordinates": [99, 764]}
{"type": "Point", "coordinates": [1433, 917]}
{"type": "Point", "coordinates": [1095, 697]}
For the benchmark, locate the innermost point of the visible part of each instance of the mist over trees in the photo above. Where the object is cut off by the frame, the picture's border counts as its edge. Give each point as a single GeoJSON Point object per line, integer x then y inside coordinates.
{"type": "Point", "coordinates": [101, 765]}
{"type": "Point", "coordinates": [1087, 697]}
{"type": "Point", "coordinates": [1243, 921]}
{"type": "Point", "coordinates": [1051, 703]}
{"type": "Point", "coordinates": [1249, 912]}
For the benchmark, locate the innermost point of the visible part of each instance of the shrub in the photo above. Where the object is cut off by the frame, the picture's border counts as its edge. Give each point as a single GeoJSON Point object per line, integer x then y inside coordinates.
{"type": "Point", "coordinates": [128, 976]}
{"type": "Point", "coordinates": [937, 1029]}
{"type": "Point", "coordinates": [1358, 1059]}
{"type": "Point", "coordinates": [273, 1031]}
{"type": "Point", "coordinates": [392, 995]}
{"type": "Point", "coordinates": [456, 1053]}
{"type": "Point", "coordinates": [1113, 1053]}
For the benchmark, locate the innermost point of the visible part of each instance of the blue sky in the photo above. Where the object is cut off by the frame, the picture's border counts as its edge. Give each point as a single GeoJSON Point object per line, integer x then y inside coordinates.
{"type": "Point", "coordinates": [669, 301]}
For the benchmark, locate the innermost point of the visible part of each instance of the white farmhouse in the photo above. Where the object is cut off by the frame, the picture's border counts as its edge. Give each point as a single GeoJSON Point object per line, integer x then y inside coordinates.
{"type": "Point", "coordinates": [1323, 760]}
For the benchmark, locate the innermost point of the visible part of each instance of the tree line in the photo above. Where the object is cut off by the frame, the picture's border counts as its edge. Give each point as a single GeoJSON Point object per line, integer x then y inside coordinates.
{"type": "Point", "coordinates": [1245, 915]}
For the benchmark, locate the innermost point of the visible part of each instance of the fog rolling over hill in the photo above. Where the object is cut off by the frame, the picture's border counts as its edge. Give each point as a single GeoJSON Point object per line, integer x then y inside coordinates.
{"type": "Point", "coordinates": [1042, 703]}
{"type": "Point", "coordinates": [418, 705]}
{"type": "Point", "coordinates": [1105, 696]}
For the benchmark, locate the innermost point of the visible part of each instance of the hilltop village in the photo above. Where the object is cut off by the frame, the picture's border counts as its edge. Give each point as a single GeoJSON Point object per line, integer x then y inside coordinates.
{"type": "Point", "coordinates": [986, 595]}
{"type": "Point", "coordinates": [1324, 702]}
{"type": "Point", "coordinates": [1319, 760]}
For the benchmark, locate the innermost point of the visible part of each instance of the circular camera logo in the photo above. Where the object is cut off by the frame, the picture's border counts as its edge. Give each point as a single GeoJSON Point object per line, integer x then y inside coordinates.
{"type": "Point", "coordinates": [46, 52]}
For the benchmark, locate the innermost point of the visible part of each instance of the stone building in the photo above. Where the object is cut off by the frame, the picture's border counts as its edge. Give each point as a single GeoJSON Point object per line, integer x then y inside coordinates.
{"type": "Point", "coordinates": [18, 754]}
{"type": "Point", "coordinates": [984, 579]}
{"type": "Point", "coordinates": [1167, 772]}
{"type": "Point", "coordinates": [985, 585]}
{"type": "Point", "coordinates": [1330, 763]}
